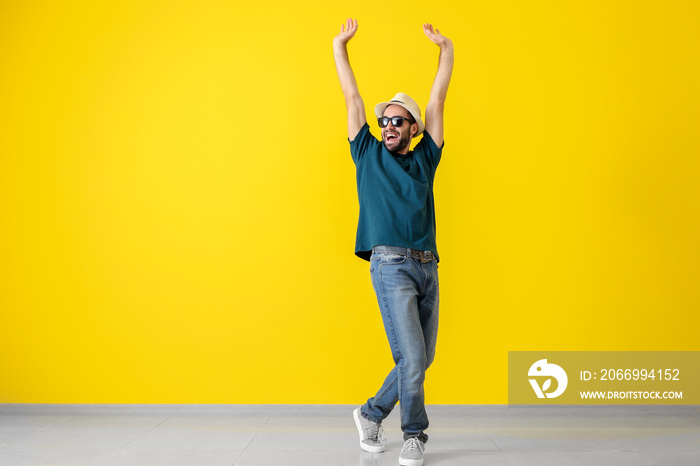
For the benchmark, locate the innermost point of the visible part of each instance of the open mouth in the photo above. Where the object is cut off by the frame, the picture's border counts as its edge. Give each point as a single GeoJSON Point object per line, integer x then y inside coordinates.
{"type": "Point", "coordinates": [390, 137]}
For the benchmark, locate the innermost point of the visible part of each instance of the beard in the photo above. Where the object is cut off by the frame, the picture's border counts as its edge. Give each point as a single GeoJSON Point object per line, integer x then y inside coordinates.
{"type": "Point", "coordinates": [399, 144]}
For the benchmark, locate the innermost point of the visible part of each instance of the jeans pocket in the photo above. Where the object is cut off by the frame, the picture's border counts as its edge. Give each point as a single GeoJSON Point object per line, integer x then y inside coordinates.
{"type": "Point", "coordinates": [388, 258]}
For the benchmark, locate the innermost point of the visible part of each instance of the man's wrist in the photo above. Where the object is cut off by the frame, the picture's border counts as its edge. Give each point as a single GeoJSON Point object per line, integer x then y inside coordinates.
{"type": "Point", "coordinates": [446, 45]}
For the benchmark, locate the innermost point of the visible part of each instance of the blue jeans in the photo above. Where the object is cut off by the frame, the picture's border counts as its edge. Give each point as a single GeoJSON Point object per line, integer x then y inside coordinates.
{"type": "Point", "coordinates": [408, 295]}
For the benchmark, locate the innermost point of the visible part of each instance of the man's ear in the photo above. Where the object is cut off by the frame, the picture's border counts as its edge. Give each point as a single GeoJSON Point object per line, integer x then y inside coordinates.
{"type": "Point", "coordinates": [414, 130]}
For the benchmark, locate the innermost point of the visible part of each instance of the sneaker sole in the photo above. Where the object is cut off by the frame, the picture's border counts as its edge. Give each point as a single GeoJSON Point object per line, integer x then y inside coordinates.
{"type": "Point", "coordinates": [355, 416]}
{"type": "Point", "coordinates": [404, 462]}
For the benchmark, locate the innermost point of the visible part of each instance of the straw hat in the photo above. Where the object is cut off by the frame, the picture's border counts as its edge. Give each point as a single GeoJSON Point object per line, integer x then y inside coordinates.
{"type": "Point", "coordinates": [406, 102]}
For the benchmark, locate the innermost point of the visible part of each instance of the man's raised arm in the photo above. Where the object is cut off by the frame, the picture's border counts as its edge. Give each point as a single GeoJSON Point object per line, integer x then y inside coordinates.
{"type": "Point", "coordinates": [356, 107]}
{"type": "Point", "coordinates": [435, 109]}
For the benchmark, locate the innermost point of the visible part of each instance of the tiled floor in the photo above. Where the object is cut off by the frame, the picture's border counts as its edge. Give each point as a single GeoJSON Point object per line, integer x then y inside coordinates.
{"type": "Point", "coordinates": [325, 436]}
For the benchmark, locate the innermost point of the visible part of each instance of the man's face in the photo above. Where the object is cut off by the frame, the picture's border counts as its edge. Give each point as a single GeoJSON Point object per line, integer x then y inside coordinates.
{"type": "Point", "coordinates": [398, 140]}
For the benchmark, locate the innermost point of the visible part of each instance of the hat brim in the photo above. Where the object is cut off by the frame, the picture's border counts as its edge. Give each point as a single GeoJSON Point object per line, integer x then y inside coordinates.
{"type": "Point", "coordinates": [379, 112]}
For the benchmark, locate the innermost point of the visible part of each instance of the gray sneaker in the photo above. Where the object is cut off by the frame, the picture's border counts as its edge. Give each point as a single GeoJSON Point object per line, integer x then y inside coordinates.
{"type": "Point", "coordinates": [412, 453]}
{"type": "Point", "coordinates": [372, 437]}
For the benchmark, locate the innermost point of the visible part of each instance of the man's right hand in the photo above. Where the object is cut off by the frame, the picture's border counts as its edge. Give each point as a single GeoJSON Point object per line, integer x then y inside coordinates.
{"type": "Point", "coordinates": [347, 32]}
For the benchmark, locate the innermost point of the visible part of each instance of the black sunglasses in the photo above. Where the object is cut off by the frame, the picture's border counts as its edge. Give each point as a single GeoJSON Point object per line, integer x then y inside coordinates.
{"type": "Point", "coordinates": [396, 121]}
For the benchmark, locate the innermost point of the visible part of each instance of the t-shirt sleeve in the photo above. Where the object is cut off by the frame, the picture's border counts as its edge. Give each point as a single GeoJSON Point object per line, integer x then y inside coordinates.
{"type": "Point", "coordinates": [430, 150]}
{"type": "Point", "coordinates": [362, 143]}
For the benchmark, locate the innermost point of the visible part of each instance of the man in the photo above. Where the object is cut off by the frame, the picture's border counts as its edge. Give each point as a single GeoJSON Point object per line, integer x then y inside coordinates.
{"type": "Point", "coordinates": [396, 233]}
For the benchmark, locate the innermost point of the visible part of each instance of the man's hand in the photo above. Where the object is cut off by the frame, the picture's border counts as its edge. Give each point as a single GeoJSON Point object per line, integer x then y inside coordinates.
{"type": "Point", "coordinates": [435, 36]}
{"type": "Point", "coordinates": [347, 31]}
{"type": "Point", "coordinates": [435, 109]}
{"type": "Point", "coordinates": [353, 102]}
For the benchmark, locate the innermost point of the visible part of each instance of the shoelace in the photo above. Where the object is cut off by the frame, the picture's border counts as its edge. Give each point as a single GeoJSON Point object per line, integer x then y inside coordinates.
{"type": "Point", "coordinates": [376, 433]}
{"type": "Point", "coordinates": [412, 444]}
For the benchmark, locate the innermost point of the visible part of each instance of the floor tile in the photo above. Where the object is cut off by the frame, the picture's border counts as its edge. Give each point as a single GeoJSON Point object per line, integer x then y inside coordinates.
{"type": "Point", "coordinates": [127, 422]}
{"type": "Point", "coordinates": [171, 458]}
{"type": "Point", "coordinates": [529, 422]}
{"type": "Point", "coordinates": [18, 420]}
{"type": "Point", "coordinates": [691, 420]}
{"type": "Point", "coordinates": [308, 458]}
{"type": "Point", "coordinates": [641, 422]}
{"type": "Point", "coordinates": [69, 438]}
{"type": "Point", "coordinates": [21, 458]}
{"type": "Point", "coordinates": [52, 458]}
{"type": "Point", "coordinates": [669, 439]}
{"type": "Point", "coordinates": [218, 433]}
{"type": "Point", "coordinates": [690, 415]}
{"type": "Point", "coordinates": [671, 458]}
{"type": "Point", "coordinates": [575, 458]}
{"type": "Point", "coordinates": [459, 440]}
{"type": "Point", "coordinates": [546, 439]}
{"type": "Point", "coordinates": [451, 458]}
{"type": "Point", "coordinates": [14, 426]}
{"type": "Point", "coordinates": [307, 433]}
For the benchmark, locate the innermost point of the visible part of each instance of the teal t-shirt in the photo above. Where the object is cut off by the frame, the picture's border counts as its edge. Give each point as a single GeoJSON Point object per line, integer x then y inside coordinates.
{"type": "Point", "coordinates": [397, 207]}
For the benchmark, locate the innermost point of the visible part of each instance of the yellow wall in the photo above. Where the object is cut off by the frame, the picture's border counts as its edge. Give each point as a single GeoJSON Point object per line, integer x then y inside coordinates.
{"type": "Point", "coordinates": [178, 206]}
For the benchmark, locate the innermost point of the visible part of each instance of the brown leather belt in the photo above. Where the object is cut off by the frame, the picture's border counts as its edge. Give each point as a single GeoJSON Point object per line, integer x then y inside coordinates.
{"type": "Point", "coordinates": [423, 256]}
